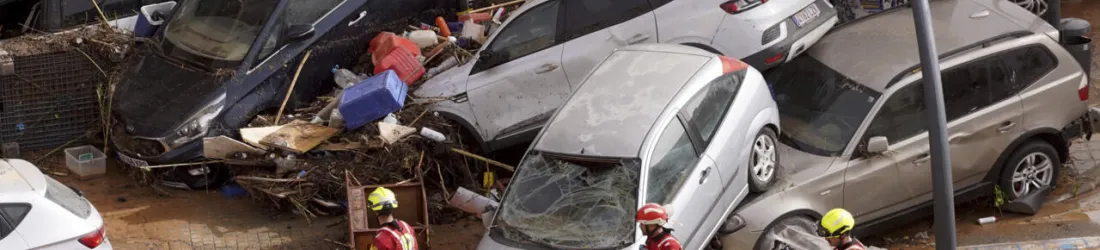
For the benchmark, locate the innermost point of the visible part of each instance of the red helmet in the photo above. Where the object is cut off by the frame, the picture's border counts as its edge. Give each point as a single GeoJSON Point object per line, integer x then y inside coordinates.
{"type": "Point", "coordinates": [652, 214]}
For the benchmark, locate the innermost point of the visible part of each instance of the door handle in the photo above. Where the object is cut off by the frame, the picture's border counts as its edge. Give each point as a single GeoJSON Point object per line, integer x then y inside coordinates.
{"type": "Point", "coordinates": [958, 136]}
{"type": "Point", "coordinates": [637, 38]}
{"type": "Point", "coordinates": [703, 175]}
{"type": "Point", "coordinates": [546, 68]}
{"type": "Point", "coordinates": [1006, 126]}
{"type": "Point", "coordinates": [922, 159]}
{"type": "Point", "coordinates": [361, 15]}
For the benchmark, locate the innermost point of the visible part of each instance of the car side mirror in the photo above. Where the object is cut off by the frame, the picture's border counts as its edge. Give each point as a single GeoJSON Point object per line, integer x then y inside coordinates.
{"type": "Point", "coordinates": [298, 32]}
{"type": "Point", "coordinates": [877, 145]}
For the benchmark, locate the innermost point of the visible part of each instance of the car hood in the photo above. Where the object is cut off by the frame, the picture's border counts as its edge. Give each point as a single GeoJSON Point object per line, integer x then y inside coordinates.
{"type": "Point", "coordinates": [794, 160]}
{"type": "Point", "coordinates": [487, 243]}
{"type": "Point", "coordinates": [156, 95]}
{"type": "Point", "coordinates": [446, 84]}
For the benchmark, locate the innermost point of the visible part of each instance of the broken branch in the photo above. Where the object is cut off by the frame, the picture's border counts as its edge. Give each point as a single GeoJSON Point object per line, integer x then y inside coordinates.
{"type": "Point", "coordinates": [291, 89]}
{"type": "Point", "coordinates": [254, 178]}
{"type": "Point", "coordinates": [147, 168]}
{"type": "Point", "coordinates": [495, 6]}
{"type": "Point", "coordinates": [486, 160]}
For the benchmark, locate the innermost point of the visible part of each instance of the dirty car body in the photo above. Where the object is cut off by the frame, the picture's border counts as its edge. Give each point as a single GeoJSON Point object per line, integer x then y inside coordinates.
{"type": "Point", "coordinates": [528, 67]}
{"type": "Point", "coordinates": [215, 65]}
{"type": "Point", "coordinates": [855, 133]}
{"type": "Point", "coordinates": [685, 137]}
{"type": "Point", "coordinates": [38, 212]}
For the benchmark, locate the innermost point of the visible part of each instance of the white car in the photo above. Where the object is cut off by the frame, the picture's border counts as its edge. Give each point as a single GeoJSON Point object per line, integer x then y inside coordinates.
{"type": "Point", "coordinates": [661, 123]}
{"type": "Point", "coordinates": [37, 212]}
{"type": "Point", "coordinates": [530, 65]}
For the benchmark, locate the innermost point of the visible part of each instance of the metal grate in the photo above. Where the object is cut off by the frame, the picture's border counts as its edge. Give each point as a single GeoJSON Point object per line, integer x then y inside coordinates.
{"type": "Point", "coordinates": [50, 100]}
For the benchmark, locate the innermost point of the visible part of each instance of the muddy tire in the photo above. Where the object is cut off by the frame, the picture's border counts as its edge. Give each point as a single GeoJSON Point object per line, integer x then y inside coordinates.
{"type": "Point", "coordinates": [763, 165]}
{"type": "Point", "coordinates": [768, 240]}
{"type": "Point", "coordinates": [1033, 166]}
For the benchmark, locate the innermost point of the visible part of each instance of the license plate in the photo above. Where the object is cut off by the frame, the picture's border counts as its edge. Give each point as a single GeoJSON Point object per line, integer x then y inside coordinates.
{"type": "Point", "coordinates": [132, 161]}
{"type": "Point", "coordinates": [806, 15]}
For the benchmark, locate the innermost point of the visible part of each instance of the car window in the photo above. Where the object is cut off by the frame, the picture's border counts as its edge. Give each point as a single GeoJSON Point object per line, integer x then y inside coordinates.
{"type": "Point", "coordinates": [706, 109]}
{"type": "Point", "coordinates": [5, 229]}
{"type": "Point", "coordinates": [671, 161]}
{"type": "Point", "coordinates": [901, 117]}
{"type": "Point", "coordinates": [309, 11]}
{"type": "Point", "coordinates": [586, 16]}
{"type": "Point", "coordinates": [77, 13]}
{"type": "Point", "coordinates": [530, 32]}
{"type": "Point", "coordinates": [1026, 65]}
{"type": "Point", "coordinates": [969, 87]}
{"type": "Point", "coordinates": [66, 198]}
{"type": "Point", "coordinates": [13, 213]}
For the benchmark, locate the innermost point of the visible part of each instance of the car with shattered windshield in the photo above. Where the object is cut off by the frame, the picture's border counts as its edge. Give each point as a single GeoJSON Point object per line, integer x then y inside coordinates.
{"type": "Point", "coordinates": [504, 95]}
{"type": "Point", "coordinates": [697, 132]}
{"type": "Point", "coordinates": [214, 65]}
{"type": "Point", "coordinates": [855, 128]}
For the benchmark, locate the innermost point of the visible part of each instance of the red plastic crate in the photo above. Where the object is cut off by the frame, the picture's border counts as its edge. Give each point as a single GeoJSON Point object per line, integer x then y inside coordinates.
{"type": "Point", "coordinates": [385, 42]}
{"type": "Point", "coordinates": [402, 62]}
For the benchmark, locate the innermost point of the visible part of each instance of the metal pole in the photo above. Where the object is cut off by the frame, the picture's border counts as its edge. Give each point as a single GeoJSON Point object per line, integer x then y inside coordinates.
{"type": "Point", "coordinates": [1054, 14]}
{"type": "Point", "coordinates": [942, 188]}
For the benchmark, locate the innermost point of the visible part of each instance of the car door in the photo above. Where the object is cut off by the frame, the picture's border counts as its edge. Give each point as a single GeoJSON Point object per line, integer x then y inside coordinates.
{"type": "Point", "coordinates": [874, 183]}
{"type": "Point", "coordinates": [520, 89]}
{"type": "Point", "coordinates": [595, 28]}
{"type": "Point", "coordinates": [11, 215]}
{"type": "Point", "coordinates": [981, 123]}
{"type": "Point", "coordinates": [706, 113]}
{"type": "Point", "coordinates": [335, 22]}
{"type": "Point", "coordinates": [682, 179]}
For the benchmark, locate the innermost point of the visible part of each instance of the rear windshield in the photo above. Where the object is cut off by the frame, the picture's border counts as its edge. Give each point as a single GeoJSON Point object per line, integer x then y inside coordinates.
{"type": "Point", "coordinates": [66, 198]}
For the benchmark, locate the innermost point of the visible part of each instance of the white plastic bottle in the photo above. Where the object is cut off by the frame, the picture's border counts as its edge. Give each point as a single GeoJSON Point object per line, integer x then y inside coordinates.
{"type": "Point", "coordinates": [344, 78]}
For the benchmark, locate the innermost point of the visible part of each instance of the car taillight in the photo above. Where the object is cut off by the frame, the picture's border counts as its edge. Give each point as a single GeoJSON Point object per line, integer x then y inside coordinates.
{"type": "Point", "coordinates": [1083, 93]}
{"type": "Point", "coordinates": [730, 65]}
{"type": "Point", "coordinates": [737, 6]}
{"type": "Point", "coordinates": [93, 239]}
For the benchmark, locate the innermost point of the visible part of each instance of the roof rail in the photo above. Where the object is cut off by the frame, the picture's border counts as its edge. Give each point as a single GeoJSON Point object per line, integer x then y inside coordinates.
{"type": "Point", "coordinates": [977, 45]}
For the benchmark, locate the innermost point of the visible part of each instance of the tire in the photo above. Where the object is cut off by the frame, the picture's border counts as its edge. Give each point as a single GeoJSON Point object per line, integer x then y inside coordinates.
{"type": "Point", "coordinates": [763, 174]}
{"type": "Point", "coordinates": [767, 239]}
{"type": "Point", "coordinates": [1044, 170]}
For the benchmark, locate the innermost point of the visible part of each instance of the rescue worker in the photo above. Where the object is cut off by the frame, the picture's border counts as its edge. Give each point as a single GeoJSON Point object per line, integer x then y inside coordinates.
{"type": "Point", "coordinates": [652, 218]}
{"type": "Point", "coordinates": [395, 234]}
{"type": "Point", "coordinates": [836, 226]}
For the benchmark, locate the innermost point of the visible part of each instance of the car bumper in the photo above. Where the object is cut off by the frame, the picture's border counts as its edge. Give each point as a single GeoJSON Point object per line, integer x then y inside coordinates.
{"type": "Point", "coordinates": [797, 41]}
{"type": "Point", "coordinates": [188, 152]}
{"type": "Point", "coordinates": [106, 245]}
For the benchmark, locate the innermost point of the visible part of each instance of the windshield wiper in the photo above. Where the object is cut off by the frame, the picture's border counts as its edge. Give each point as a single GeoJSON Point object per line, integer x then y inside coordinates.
{"type": "Point", "coordinates": [786, 139]}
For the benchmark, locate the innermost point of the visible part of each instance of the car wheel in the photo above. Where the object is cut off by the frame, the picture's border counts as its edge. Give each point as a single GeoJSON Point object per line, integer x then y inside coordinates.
{"type": "Point", "coordinates": [769, 241]}
{"type": "Point", "coordinates": [1038, 7]}
{"type": "Point", "coordinates": [763, 161]}
{"type": "Point", "coordinates": [1031, 168]}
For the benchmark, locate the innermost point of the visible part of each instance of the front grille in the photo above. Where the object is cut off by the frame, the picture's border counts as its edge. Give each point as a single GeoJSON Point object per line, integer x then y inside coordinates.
{"type": "Point", "coordinates": [770, 34]}
{"type": "Point", "coordinates": [132, 145]}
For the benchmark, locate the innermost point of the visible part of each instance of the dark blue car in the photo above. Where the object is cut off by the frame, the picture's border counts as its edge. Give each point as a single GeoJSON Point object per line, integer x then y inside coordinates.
{"type": "Point", "coordinates": [216, 64]}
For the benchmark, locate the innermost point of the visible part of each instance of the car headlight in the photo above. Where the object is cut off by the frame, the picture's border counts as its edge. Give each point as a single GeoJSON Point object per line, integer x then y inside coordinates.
{"type": "Point", "coordinates": [198, 124]}
{"type": "Point", "coordinates": [732, 224]}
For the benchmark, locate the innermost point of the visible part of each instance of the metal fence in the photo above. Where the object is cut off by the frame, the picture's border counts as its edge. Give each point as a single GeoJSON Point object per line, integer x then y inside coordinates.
{"type": "Point", "coordinates": [50, 99]}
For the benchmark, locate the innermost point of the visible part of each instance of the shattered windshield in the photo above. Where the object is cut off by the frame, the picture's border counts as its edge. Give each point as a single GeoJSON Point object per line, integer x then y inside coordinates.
{"type": "Point", "coordinates": [819, 108]}
{"type": "Point", "coordinates": [218, 29]}
{"type": "Point", "coordinates": [570, 203]}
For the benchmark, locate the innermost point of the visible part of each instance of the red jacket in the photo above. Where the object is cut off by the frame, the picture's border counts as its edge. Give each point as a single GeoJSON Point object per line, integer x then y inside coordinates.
{"type": "Point", "coordinates": [663, 241]}
{"type": "Point", "coordinates": [395, 236]}
{"type": "Point", "coordinates": [854, 244]}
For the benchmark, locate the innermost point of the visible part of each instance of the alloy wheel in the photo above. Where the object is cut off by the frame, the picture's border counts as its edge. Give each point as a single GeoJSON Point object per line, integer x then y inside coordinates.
{"type": "Point", "coordinates": [763, 158]}
{"type": "Point", "coordinates": [1034, 172]}
{"type": "Point", "coordinates": [1039, 7]}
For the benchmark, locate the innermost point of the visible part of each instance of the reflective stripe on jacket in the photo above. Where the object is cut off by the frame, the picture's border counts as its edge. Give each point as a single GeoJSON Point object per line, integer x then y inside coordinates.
{"type": "Point", "coordinates": [390, 238]}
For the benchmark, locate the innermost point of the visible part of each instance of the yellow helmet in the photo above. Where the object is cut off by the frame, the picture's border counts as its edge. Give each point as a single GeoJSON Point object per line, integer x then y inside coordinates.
{"type": "Point", "coordinates": [382, 198]}
{"type": "Point", "coordinates": [835, 223]}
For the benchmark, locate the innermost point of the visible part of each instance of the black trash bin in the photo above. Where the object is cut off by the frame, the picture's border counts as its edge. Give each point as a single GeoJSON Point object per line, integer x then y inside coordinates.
{"type": "Point", "coordinates": [1074, 36]}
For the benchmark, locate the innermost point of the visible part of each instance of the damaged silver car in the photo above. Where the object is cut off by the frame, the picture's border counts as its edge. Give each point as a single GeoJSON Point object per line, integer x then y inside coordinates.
{"type": "Point", "coordinates": [696, 132]}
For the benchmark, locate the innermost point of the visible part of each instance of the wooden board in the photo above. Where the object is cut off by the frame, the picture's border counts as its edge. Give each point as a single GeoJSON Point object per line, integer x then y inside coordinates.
{"type": "Point", "coordinates": [254, 135]}
{"type": "Point", "coordinates": [223, 147]}
{"type": "Point", "coordinates": [299, 137]}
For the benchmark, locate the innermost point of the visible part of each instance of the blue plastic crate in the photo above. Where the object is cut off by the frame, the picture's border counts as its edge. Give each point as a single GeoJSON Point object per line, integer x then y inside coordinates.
{"type": "Point", "coordinates": [372, 99]}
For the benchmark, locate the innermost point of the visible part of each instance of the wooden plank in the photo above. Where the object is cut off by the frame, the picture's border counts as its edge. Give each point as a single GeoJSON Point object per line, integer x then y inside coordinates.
{"type": "Point", "coordinates": [254, 135]}
{"type": "Point", "coordinates": [299, 137]}
{"type": "Point", "coordinates": [357, 210]}
{"type": "Point", "coordinates": [223, 147]}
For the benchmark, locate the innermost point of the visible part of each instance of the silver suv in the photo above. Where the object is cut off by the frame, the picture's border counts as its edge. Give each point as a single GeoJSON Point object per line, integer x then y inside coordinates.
{"type": "Point", "coordinates": [853, 116]}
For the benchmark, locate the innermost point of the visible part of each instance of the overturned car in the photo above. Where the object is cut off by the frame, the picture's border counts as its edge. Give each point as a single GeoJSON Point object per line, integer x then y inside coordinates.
{"type": "Point", "coordinates": [217, 64]}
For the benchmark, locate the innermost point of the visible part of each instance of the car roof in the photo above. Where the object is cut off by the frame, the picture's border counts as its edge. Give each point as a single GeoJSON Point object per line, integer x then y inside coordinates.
{"type": "Point", "coordinates": [874, 50]}
{"type": "Point", "coordinates": [611, 112]}
{"type": "Point", "coordinates": [19, 176]}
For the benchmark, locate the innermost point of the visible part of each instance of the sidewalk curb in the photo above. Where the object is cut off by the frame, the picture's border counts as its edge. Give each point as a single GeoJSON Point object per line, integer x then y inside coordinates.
{"type": "Point", "coordinates": [1064, 243]}
{"type": "Point", "coordinates": [1089, 181]}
